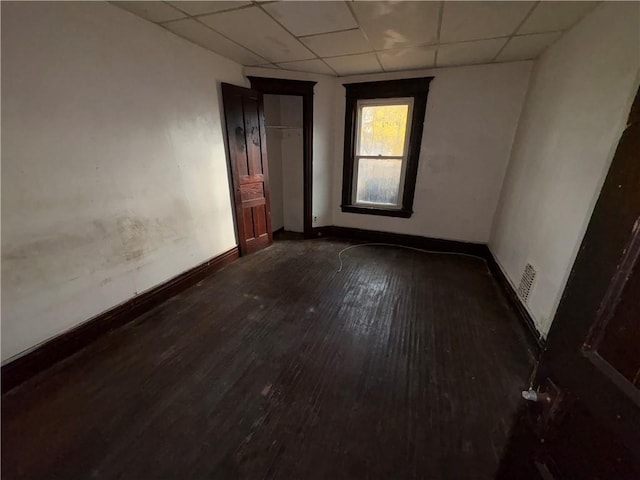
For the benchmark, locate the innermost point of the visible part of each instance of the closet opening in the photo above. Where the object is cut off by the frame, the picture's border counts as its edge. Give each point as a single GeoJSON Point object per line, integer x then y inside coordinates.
{"type": "Point", "coordinates": [285, 151]}
{"type": "Point", "coordinates": [288, 106]}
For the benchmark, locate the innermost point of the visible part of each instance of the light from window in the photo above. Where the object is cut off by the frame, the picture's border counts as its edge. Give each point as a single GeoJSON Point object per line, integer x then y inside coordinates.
{"type": "Point", "coordinates": [381, 151]}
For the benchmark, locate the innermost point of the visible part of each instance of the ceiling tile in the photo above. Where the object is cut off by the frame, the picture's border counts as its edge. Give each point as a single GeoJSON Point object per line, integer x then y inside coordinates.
{"type": "Point", "coordinates": [312, 66]}
{"type": "Point", "coordinates": [526, 47]}
{"type": "Point", "coordinates": [255, 30]}
{"type": "Point", "coordinates": [462, 21]}
{"type": "Point", "coordinates": [555, 16]}
{"type": "Point", "coordinates": [338, 43]}
{"type": "Point", "coordinates": [154, 11]}
{"type": "Point", "coordinates": [469, 53]}
{"type": "Point", "coordinates": [199, 8]}
{"type": "Point", "coordinates": [397, 24]}
{"type": "Point", "coordinates": [269, 65]}
{"type": "Point", "coordinates": [354, 64]}
{"type": "Point", "coordinates": [407, 58]}
{"type": "Point", "coordinates": [309, 18]}
{"type": "Point", "coordinates": [196, 32]}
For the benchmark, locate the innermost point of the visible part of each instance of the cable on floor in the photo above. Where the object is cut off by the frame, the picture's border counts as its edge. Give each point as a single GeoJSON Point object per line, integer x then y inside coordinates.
{"type": "Point", "coordinates": [402, 246]}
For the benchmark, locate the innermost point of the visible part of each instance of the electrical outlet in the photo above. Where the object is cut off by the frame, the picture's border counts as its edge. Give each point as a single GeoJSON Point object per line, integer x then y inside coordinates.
{"type": "Point", "coordinates": [315, 219]}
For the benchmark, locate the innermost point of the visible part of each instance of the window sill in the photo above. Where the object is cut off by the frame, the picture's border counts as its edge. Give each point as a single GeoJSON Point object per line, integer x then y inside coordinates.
{"type": "Point", "coordinates": [386, 212]}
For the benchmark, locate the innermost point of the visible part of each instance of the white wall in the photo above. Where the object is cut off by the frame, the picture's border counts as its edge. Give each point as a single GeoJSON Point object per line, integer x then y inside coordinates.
{"type": "Point", "coordinates": [576, 108]}
{"type": "Point", "coordinates": [470, 123]}
{"type": "Point", "coordinates": [274, 159]}
{"type": "Point", "coordinates": [114, 176]}
{"type": "Point", "coordinates": [284, 153]}
{"type": "Point", "coordinates": [323, 139]}
{"type": "Point", "coordinates": [292, 163]}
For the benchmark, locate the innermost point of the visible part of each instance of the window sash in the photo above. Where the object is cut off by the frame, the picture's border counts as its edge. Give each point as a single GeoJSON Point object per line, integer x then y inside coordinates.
{"type": "Point", "coordinates": [356, 168]}
{"type": "Point", "coordinates": [357, 157]}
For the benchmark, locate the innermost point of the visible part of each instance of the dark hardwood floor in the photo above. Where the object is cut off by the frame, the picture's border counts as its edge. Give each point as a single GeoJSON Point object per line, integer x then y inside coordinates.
{"type": "Point", "coordinates": [403, 365]}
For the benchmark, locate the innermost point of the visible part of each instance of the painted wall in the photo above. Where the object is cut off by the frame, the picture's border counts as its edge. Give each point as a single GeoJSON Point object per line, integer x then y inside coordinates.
{"type": "Point", "coordinates": [470, 123]}
{"type": "Point", "coordinates": [575, 111]}
{"type": "Point", "coordinates": [274, 158]}
{"type": "Point", "coordinates": [292, 163]}
{"type": "Point", "coordinates": [323, 139]}
{"type": "Point", "coordinates": [114, 176]}
{"type": "Point", "coordinates": [284, 153]}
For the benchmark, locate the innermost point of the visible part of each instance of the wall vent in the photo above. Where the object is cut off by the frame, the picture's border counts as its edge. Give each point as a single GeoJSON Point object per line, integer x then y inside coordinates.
{"type": "Point", "coordinates": [526, 282]}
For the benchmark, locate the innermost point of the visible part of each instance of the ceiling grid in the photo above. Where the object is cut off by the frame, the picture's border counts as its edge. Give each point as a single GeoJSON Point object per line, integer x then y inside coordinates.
{"type": "Point", "coordinates": [533, 7]}
{"type": "Point", "coordinates": [342, 38]}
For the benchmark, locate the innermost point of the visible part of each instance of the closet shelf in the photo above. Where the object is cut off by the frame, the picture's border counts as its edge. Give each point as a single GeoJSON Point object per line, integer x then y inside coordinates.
{"type": "Point", "coordinates": [283, 127]}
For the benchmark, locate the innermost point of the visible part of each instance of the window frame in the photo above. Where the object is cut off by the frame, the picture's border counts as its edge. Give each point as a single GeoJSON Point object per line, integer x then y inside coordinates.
{"type": "Point", "coordinates": [379, 102]}
{"type": "Point", "coordinates": [414, 88]}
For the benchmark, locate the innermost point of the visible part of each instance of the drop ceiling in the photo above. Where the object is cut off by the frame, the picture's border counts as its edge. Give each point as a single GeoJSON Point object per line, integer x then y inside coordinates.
{"type": "Point", "coordinates": [354, 37]}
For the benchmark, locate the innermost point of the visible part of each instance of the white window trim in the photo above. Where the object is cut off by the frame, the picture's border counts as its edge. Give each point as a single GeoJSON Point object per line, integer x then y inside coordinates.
{"type": "Point", "coordinates": [375, 102]}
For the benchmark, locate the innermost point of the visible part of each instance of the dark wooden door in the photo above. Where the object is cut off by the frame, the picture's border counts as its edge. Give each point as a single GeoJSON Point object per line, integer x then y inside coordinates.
{"type": "Point", "coordinates": [586, 422]}
{"type": "Point", "coordinates": [246, 141]}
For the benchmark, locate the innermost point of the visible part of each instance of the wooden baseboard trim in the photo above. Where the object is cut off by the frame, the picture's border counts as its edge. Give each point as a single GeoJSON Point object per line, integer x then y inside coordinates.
{"type": "Point", "coordinates": [535, 339]}
{"type": "Point", "coordinates": [425, 243]}
{"type": "Point", "coordinates": [318, 232]}
{"type": "Point", "coordinates": [66, 344]}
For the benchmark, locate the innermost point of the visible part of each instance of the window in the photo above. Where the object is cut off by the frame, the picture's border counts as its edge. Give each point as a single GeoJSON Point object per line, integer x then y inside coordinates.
{"type": "Point", "coordinates": [380, 157]}
{"type": "Point", "coordinates": [383, 130]}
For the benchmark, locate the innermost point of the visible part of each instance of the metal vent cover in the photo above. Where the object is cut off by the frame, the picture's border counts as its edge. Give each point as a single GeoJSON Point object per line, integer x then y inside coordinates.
{"type": "Point", "coordinates": [526, 282]}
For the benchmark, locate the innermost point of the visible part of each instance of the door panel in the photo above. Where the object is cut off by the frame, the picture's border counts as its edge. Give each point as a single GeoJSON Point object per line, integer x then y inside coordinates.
{"type": "Point", "coordinates": [563, 454]}
{"type": "Point", "coordinates": [248, 222]}
{"type": "Point", "coordinates": [619, 341]}
{"type": "Point", "coordinates": [246, 139]}
{"type": "Point", "coordinates": [252, 132]}
{"type": "Point", "coordinates": [260, 220]}
{"type": "Point", "coordinates": [588, 424]}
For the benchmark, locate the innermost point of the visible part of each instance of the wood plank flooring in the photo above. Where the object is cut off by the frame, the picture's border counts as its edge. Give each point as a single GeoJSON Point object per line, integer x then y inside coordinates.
{"type": "Point", "coordinates": [403, 365]}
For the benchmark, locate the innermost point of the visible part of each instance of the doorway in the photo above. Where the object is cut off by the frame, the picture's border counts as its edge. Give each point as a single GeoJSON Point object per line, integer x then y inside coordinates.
{"type": "Point", "coordinates": [304, 90]}
{"type": "Point", "coordinates": [285, 150]}
{"type": "Point", "coordinates": [582, 419]}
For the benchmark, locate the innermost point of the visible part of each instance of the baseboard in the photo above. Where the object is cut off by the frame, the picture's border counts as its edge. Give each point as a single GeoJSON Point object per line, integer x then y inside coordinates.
{"type": "Point", "coordinates": [66, 344]}
{"type": "Point", "coordinates": [322, 231]}
{"type": "Point", "coordinates": [426, 243]}
{"type": "Point", "coordinates": [515, 302]}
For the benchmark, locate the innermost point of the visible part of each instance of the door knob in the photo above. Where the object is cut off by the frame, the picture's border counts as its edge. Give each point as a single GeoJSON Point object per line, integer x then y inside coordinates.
{"type": "Point", "coordinates": [539, 397]}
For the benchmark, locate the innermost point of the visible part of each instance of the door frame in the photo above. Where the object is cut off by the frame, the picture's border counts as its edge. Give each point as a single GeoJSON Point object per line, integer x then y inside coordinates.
{"type": "Point", "coordinates": [304, 89]}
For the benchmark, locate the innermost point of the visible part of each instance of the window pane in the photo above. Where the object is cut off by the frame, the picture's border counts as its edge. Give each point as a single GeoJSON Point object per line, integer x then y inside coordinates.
{"type": "Point", "coordinates": [378, 181]}
{"type": "Point", "coordinates": [383, 129]}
